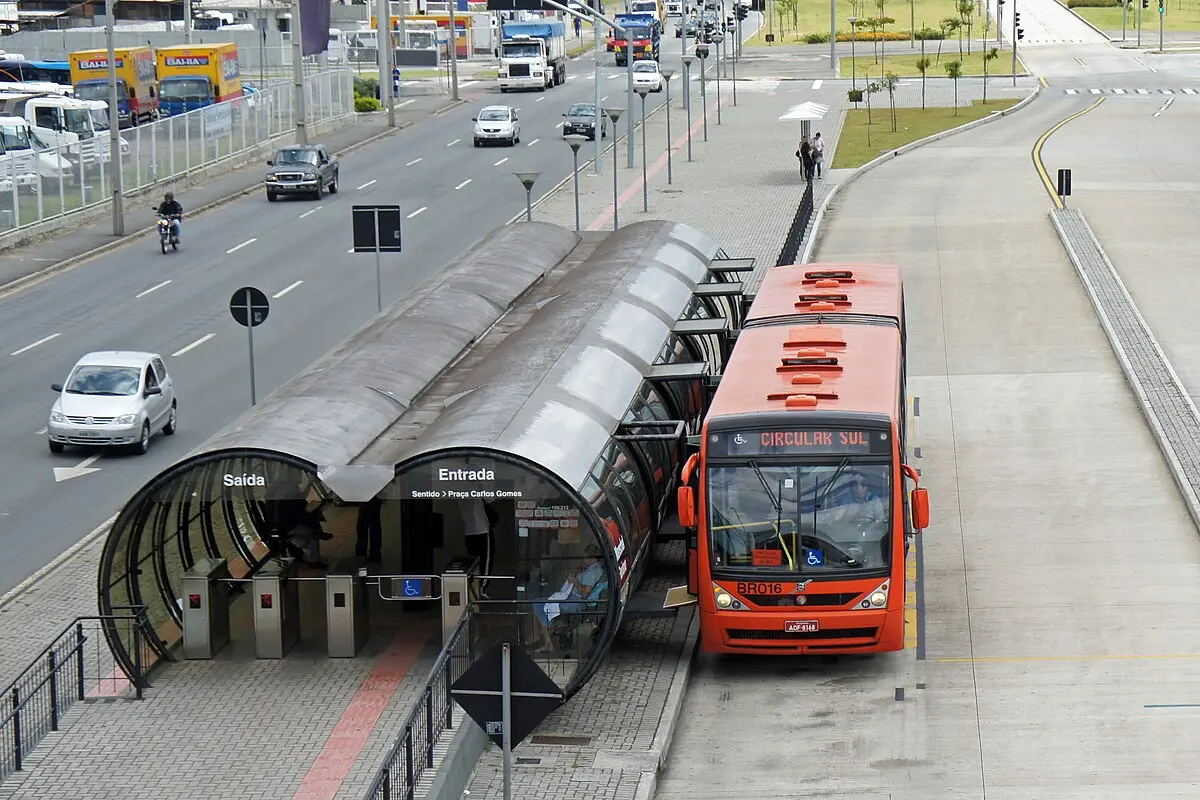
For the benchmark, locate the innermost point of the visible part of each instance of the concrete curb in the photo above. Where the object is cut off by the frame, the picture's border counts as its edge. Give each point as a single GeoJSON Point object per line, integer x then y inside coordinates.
{"type": "Point", "coordinates": [668, 721]}
{"type": "Point", "coordinates": [453, 775]}
{"type": "Point", "coordinates": [814, 234]}
{"type": "Point", "coordinates": [1185, 488]}
{"type": "Point", "coordinates": [74, 261]}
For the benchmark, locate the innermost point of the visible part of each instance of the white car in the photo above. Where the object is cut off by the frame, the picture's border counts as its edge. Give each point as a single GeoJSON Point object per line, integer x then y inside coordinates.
{"type": "Point", "coordinates": [497, 124]}
{"type": "Point", "coordinates": [113, 398]}
{"type": "Point", "coordinates": [645, 73]}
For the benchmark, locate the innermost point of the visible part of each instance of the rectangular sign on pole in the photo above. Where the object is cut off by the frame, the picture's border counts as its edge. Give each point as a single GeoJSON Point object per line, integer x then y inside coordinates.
{"type": "Point", "coordinates": [1064, 183]}
{"type": "Point", "coordinates": [377, 229]}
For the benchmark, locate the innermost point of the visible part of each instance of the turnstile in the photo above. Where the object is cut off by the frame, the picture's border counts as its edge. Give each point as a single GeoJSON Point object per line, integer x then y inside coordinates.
{"type": "Point", "coordinates": [456, 585]}
{"type": "Point", "coordinates": [347, 624]}
{"type": "Point", "coordinates": [276, 609]}
{"type": "Point", "coordinates": [205, 608]}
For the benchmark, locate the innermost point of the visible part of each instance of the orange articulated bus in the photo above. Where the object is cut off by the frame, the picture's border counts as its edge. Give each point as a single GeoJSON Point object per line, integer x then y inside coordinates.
{"type": "Point", "coordinates": [806, 505]}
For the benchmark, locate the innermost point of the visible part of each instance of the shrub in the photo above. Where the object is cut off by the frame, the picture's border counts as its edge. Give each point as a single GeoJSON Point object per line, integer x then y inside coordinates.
{"type": "Point", "coordinates": [810, 38]}
{"type": "Point", "coordinates": [365, 104]}
{"type": "Point", "coordinates": [366, 87]}
{"type": "Point", "coordinates": [873, 36]}
{"type": "Point", "coordinates": [1093, 3]}
{"type": "Point", "coordinates": [928, 34]}
{"type": "Point", "coordinates": [854, 95]}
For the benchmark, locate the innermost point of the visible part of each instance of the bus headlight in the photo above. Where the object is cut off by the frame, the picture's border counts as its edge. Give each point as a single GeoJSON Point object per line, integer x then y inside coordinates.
{"type": "Point", "coordinates": [724, 600]}
{"type": "Point", "coordinates": [876, 598]}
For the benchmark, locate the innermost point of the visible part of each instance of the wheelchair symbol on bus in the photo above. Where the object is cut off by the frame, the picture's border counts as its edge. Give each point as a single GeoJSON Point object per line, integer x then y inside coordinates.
{"type": "Point", "coordinates": [814, 558]}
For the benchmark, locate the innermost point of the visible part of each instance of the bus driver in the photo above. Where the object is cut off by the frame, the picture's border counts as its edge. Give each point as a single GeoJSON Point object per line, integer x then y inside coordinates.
{"type": "Point", "coordinates": [863, 509]}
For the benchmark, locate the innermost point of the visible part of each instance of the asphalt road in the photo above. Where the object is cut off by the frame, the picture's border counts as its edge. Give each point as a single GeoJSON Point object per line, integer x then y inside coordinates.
{"type": "Point", "coordinates": [297, 252]}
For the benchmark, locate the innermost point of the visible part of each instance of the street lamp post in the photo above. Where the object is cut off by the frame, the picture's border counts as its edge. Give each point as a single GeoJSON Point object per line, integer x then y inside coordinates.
{"type": "Point", "coordinates": [527, 179]}
{"type": "Point", "coordinates": [717, 38]}
{"type": "Point", "coordinates": [642, 90]}
{"type": "Point", "coordinates": [614, 114]}
{"type": "Point", "coordinates": [114, 128]}
{"type": "Point", "coordinates": [575, 141]}
{"type": "Point", "coordinates": [687, 106]}
{"type": "Point", "coordinates": [667, 74]}
{"type": "Point", "coordinates": [702, 54]}
{"type": "Point", "coordinates": [853, 64]}
{"type": "Point", "coordinates": [735, 60]}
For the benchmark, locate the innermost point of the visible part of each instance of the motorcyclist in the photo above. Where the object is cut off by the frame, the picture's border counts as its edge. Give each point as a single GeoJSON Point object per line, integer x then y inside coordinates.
{"type": "Point", "coordinates": [172, 210]}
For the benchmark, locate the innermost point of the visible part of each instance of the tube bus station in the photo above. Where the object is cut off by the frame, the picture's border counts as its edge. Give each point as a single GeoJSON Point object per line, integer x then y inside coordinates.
{"type": "Point", "coordinates": [507, 436]}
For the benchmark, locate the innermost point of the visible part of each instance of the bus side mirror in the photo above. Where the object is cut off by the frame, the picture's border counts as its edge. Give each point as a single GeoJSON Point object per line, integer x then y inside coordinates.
{"type": "Point", "coordinates": [685, 498]}
{"type": "Point", "coordinates": [920, 508]}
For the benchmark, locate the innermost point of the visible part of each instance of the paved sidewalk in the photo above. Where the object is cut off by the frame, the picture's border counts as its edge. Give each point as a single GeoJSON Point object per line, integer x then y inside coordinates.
{"type": "Point", "coordinates": [94, 228]}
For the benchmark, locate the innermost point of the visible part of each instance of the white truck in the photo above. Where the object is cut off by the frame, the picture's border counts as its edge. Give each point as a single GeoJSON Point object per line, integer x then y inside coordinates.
{"type": "Point", "coordinates": [26, 158]}
{"type": "Point", "coordinates": [533, 55]}
{"type": "Point", "coordinates": [62, 122]}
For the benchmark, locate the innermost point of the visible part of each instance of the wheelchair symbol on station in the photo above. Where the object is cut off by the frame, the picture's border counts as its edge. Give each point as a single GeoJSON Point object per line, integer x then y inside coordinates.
{"type": "Point", "coordinates": [412, 587]}
{"type": "Point", "coordinates": [814, 558]}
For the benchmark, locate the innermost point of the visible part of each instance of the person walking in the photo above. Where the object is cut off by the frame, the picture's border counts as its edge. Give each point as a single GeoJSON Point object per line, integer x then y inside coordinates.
{"type": "Point", "coordinates": [369, 531]}
{"type": "Point", "coordinates": [818, 148]}
{"type": "Point", "coordinates": [806, 159]}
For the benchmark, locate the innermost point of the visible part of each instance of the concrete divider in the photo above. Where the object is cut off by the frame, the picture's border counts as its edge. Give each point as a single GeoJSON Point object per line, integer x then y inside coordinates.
{"type": "Point", "coordinates": [661, 746]}
{"type": "Point", "coordinates": [814, 236]}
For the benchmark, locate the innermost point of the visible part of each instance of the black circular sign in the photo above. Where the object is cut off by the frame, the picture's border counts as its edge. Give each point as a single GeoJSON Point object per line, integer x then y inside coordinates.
{"type": "Point", "coordinates": [249, 307]}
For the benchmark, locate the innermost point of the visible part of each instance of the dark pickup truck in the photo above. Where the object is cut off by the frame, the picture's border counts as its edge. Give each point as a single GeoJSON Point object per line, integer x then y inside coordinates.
{"type": "Point", "coordinates": [306, 169]}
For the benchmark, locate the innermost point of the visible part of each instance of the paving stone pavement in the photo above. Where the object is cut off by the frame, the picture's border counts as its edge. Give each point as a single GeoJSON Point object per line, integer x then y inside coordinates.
{"type": "Point", "coordinates": [750, 155]}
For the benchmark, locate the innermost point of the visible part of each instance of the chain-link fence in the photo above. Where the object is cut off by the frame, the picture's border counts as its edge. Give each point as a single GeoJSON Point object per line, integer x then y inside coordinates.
{"type": "Point", "coordinates": [39, 183]}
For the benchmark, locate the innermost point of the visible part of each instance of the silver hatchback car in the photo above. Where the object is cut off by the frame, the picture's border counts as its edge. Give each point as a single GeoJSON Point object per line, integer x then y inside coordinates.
{"type": "Point", "coordinates": [113, 398]}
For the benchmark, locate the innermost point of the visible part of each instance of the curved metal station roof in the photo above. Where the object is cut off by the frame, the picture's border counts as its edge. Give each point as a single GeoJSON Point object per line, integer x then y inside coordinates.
{"type": "Point", "coordinates": [551, 394]}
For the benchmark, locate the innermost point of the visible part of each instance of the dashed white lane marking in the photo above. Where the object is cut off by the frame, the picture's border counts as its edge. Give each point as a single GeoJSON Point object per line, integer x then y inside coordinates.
{"type": "Point", "coordinates": [368, 183]}
{"type": "Point", "coordinates": [313, 211]}
{"type": "Point", "coordinates": [418, 211]}
{"type": "Point", "coordinates": [451, 144]}
{"type": "Point", "coordinates": [414, 161]}
{"type": "Point", "coordinates": [817, 84]}
{"type": "Point", "coordinates": [531, 144]}
{"type": "Point", "coordinates": [235, 248]}
{"type": "Point", "coordinates": [461, 185]}
{"type": "Point", "coordinates": [154, 288]}
{"type": "Point", "coordinates": [284, 291]}
{"type": "Point", "coordinates": [29, 347]}
{"type": "Point", "coordinates": [193, 345]}
{"type": "Point", "coordinates": [405, 103]}
{"type": "Point", "coordinates": [501, 161]}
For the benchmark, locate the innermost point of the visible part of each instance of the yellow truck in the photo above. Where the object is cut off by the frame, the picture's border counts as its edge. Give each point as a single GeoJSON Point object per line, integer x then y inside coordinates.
{"type": "Point", "coordinates": [137, 98]}
{"type": "Point", "coordinates": [194, 76]}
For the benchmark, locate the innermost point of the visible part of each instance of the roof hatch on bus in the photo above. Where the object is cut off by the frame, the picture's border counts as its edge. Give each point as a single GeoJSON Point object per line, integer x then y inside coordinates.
{"type": "Point", "coordinates": [817, 336]}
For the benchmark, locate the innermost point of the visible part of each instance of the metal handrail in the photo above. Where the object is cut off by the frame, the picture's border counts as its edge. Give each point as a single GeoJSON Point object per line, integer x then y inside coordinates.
{"type": "Point", "coordinates": [431, 715]}
{"type": "Point", "coordinates": [33, 704]}
{"type": "Point", "coordinates": [795, 235]}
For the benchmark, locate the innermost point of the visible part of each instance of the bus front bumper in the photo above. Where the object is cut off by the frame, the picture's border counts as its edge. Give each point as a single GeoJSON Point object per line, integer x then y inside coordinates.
{"type": "Point", "coordinates": [792, 632]}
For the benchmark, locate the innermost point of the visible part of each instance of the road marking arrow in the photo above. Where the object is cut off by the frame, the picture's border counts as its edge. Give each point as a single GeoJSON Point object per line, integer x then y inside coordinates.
{"type": "Point", "coordinates": [82, 468]}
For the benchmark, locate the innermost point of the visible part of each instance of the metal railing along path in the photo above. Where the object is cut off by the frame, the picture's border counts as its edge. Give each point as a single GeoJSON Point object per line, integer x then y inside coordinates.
{"type": "Point", "coordinates": [43, 183]}
{"type": "Point", "coordinates": [76, 666]}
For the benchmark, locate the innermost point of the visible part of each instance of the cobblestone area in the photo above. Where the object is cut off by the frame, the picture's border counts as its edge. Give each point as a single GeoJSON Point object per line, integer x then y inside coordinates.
{"type": "Point", "coordinates": [231, 727]}
{"type": "Point", "coordinates": [1164, 400]}
{"type": "Point", "coordinates": [750, 155]}
{"type": "Point", "coordinates": [620, 711]}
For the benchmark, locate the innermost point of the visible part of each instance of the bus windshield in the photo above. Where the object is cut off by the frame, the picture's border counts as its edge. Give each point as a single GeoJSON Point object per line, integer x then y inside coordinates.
{"type": "Point", "coordinates": [812, 518]}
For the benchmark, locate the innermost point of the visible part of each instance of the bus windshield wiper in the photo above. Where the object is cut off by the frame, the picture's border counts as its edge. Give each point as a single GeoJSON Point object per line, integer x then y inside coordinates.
{"type": "Point", "coordinates": [775, 504]}
{"type": "Point", "coordinates": [837, 473]}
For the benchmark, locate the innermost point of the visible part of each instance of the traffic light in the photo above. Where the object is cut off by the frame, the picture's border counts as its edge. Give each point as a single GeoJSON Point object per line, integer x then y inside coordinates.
{"type": "Point", "coordinates": [1161, 8]}
{"type": "Point", "coordinates": [741, 11]}
{"type": "Point", "coordinates": [1017, 17]}
{"type": "Point", "coordinates": [1020, 34]}
{"type": "Point", "coordinates": [1145, 3]}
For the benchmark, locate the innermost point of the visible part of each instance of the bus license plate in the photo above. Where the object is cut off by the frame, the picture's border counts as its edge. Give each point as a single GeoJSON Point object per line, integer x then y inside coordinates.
{"type": "Point", "coordinates": [801, 626]}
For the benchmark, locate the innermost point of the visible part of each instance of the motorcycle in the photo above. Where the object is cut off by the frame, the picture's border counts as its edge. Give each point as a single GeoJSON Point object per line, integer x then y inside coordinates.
{"type": "Point", "coordinates": [166, 233]}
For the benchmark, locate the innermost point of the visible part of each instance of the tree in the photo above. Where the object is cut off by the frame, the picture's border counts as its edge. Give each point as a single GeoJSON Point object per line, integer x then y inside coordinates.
{"type": "Point", "coordinates": [947, 26]}
{"type": "Point", "coordinates": [954, 70]}
{"type": "Point", "coordinates": [923, 64]}
{"type": "Point", "coordinates": [912, 24]}
{"type": "Point", "coordinates": [872, 88]}
{"type": "Point", "coordinates": [966, 11]}
{"type": "Point", "coordinates": [988, 56]}
{"type": "Point", "coordinates": [890, 82]}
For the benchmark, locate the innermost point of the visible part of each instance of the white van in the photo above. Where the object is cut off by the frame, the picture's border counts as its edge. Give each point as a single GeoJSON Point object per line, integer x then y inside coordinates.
{"type": "Point", "coordinates": [99, 112]}
{"type": "Point", "coordinates": [61, 122]}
